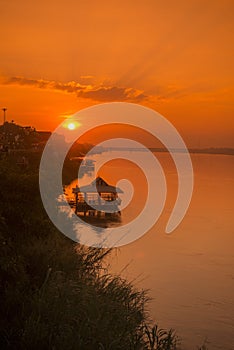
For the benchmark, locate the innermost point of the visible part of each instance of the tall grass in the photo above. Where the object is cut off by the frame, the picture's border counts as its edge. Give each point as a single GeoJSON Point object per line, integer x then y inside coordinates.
{"type": "Point", "coordinates": [56, 294]}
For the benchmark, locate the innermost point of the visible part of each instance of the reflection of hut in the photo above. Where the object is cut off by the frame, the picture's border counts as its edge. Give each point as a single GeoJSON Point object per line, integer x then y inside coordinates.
{"type": "Point", "coordinates": [99, 194]}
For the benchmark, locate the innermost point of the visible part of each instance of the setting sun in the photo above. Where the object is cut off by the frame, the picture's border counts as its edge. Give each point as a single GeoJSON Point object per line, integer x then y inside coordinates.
{"type": "Point", "coordinates": [71, 126]}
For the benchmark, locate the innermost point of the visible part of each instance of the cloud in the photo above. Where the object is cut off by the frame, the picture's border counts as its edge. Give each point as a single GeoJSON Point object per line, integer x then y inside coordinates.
{"type": "Point", "coordinates": [71, 86]}
{"type": "Point", "coordinates": [112, 93]}
{"type": "Point", "coordinates": [100, 93]}
{"type": "Point", "coordinates": [109, 92]}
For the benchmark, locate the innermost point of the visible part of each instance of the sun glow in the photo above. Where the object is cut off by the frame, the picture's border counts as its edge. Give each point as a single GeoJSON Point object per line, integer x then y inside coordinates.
{"type": "Point", "coordinates": [71, 126]}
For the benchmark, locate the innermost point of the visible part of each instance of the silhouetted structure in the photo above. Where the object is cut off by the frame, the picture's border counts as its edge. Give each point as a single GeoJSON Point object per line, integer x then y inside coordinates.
{"type": "Point", "coordinates": [4, 114]}
{"type": "Point", "coordinates": [100, 194]}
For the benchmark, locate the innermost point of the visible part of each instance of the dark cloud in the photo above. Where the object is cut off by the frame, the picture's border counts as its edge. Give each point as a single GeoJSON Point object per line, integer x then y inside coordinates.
{"type": "Point", "coordinates": [44, 84]}
{"type": "Point", "coordinates": [113, 93]}
{"type": "Point", "coordinates": [92, 92]}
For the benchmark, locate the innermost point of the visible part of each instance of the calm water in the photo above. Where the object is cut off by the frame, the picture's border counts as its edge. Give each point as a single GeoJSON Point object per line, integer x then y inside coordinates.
{"type": "Point", "coordinates": [190, 273]}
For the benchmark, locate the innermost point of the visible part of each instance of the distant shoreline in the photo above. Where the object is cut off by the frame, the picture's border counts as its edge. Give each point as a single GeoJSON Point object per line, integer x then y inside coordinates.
{"type": "Point", "coordinates": [215, 151]}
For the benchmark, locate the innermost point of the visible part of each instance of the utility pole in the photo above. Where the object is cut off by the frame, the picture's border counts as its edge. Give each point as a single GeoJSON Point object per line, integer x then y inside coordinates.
{"type": "Point", "coordinates": [4, 126]}
{"type": "Point", "coordinates": [4, 114]}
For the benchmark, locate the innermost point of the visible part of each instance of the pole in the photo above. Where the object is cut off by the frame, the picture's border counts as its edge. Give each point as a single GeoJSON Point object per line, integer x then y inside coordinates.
{"type": "Point", "coordinates": [4, 126]}
{"type": "Point", "coordinates": [4, 115]}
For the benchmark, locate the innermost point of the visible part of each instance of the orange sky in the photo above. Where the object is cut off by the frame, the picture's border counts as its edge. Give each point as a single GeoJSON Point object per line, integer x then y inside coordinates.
{"type": "Point", "coordinates": [173, 56]}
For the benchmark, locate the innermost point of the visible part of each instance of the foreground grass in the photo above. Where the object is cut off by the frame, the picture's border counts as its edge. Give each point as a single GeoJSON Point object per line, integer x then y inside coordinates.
{"type": "Point", "coordinates": [56, 294]}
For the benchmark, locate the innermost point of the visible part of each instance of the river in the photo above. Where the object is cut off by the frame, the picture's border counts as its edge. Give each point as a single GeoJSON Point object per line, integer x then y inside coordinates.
{"type": "Point", "coordinates": [189, 273]}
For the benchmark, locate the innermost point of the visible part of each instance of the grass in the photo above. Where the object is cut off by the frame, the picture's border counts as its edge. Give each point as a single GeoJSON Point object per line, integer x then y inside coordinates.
{"type": "Point", "coordinates": [56, 294]}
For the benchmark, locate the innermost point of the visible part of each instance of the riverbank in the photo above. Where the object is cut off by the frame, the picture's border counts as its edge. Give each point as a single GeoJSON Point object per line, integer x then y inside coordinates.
{"type": "Point", "coordinates": [56, 294]}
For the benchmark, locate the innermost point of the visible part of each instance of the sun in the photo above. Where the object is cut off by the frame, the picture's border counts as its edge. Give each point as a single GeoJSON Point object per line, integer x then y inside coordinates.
{"type": "Point", "coordinates": [71, 126]}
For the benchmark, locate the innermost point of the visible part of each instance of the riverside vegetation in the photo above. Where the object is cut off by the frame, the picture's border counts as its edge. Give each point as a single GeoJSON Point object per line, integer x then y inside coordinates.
{"type": "Point", "coordinates": [56, 294]}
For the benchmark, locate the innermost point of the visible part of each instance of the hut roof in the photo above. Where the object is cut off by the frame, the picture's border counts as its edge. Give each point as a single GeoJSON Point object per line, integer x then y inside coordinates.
{"type": "Point", "coordinates": [97, 186]}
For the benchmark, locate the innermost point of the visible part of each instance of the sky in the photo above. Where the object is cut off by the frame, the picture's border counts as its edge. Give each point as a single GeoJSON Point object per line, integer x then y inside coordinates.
{"type": "Point", "coordinates": [175, 57]}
